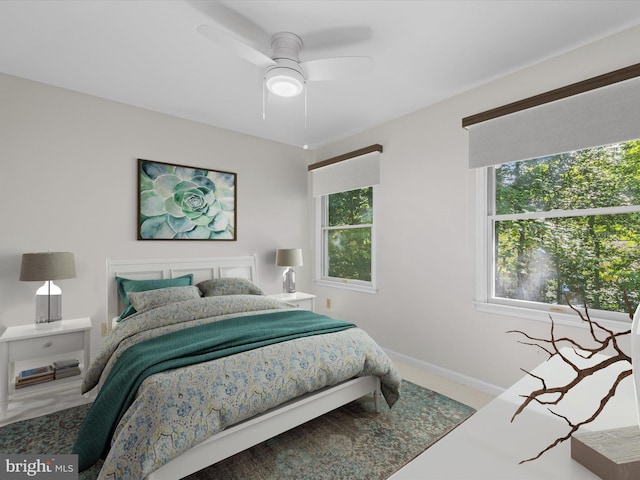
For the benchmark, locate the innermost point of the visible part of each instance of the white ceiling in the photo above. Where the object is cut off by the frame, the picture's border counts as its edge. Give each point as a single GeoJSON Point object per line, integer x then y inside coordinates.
{"type": "Point", "coordinates": [147, 53]}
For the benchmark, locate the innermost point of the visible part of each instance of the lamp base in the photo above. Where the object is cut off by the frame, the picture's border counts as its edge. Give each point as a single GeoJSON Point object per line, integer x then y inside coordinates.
{"type": "Point", "coordinates": [48, 304]}
{"type": "Point", "coordinates": [48, 326]}
{"type": "Point", "coordinates": [289, 281]}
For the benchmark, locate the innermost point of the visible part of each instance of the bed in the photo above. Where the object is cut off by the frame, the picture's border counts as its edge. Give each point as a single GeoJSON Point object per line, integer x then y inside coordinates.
{"type": "Point", "coordinates": [227, 367]}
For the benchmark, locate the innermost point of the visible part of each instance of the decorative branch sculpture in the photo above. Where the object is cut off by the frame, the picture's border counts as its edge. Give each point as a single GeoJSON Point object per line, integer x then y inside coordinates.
{"type": "Point", "coordinates": [552, 347]}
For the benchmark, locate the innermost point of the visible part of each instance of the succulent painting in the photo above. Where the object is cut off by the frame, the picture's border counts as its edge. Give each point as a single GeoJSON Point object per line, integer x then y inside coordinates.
{"type": "Point", "coordinates": [179, 202]}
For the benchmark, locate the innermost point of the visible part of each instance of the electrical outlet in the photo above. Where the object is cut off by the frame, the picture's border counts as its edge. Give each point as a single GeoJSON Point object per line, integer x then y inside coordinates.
{"type": "Point", "coordinates": [104, 329]}
{"type": "Point", "coordinates": [328, 303]}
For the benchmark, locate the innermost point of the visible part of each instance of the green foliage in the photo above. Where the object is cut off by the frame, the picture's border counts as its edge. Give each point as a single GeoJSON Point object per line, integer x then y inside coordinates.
{"type": "Point", "coordinates": [354, 207]}
{"type": "Point", "coordinates": [592, 258]}
{"type": "Point", "coordinates": [349, 248]}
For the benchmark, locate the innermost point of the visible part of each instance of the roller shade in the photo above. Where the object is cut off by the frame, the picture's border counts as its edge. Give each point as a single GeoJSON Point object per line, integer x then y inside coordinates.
{"type": "Point", "coordinates": [602, 116]}
{"type": "Point", "coordinates": [358, 172]}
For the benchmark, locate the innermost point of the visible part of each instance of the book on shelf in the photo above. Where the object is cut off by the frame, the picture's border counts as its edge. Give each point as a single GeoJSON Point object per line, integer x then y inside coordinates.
{"type": "Point", "coordinates": [33, 381]}
{"type": "Point", "coordinates": [66, 372]}
{"type": "Point", "coordinates": [62, 364]}
{"type": "Point", "coordinates": [66, 368]}
{"type": "Point", "coordinates": [33, 373]}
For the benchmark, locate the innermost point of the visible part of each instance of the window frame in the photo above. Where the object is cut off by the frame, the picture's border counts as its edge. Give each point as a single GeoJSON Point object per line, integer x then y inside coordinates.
{"type": "Point", "coordinates": [322, 248]}
{"type": "Point", "coordinates": [485, 299]}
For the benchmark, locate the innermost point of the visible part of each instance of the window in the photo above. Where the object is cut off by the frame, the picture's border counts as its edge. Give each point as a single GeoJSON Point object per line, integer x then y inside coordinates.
{"type": "Point", "coordinates": [344, 190]}
{"type": "Point", "coordinates": [347, 238]}
{"type": "Point", "coordinates": [566, 225]}
{"type": "Point", "coordinates": [552, 224]}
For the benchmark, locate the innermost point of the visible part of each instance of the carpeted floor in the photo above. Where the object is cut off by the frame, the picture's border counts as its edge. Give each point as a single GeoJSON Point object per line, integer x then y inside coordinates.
{"type": "Point", "coordinates": [352, 442]}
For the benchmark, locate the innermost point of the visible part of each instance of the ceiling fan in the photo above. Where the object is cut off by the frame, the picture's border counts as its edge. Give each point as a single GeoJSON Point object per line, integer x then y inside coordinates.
{"type": "Point", "coordinates": [285, 75]}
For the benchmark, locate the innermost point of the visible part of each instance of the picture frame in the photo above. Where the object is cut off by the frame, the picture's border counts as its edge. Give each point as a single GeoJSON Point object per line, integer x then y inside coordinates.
{"type": "Point", "coordinates": [180, 202]}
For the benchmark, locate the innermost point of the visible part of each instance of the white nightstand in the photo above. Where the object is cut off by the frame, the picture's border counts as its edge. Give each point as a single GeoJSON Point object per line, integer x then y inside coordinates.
{"type": "Point", "coordinates": [61, 341]}
{"type": "Point", "coordinates": [299, 299]}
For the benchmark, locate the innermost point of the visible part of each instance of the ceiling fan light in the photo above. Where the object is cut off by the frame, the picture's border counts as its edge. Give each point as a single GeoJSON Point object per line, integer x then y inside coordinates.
{"type": "Point", "coordinates": [284, 82]}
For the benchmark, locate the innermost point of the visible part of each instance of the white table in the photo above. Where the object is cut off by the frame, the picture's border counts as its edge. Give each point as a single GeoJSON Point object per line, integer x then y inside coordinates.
{"type": "Point", "coordinates": [488, 446]}
{"type": "Point", "coordinates": [299, 299]}
{"type": "Point", "coordinates": [62, 340]}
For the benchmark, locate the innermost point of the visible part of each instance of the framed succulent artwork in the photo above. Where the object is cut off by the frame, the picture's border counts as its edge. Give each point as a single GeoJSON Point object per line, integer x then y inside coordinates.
{"type": "Point", "coordinates": [177, 202]}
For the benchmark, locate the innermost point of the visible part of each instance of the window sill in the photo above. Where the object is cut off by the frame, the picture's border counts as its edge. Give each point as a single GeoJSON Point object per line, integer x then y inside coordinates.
{"type": "Point", "coordinates": [346, 286]}
{"type": "Point", "coordinates": [567, 317]}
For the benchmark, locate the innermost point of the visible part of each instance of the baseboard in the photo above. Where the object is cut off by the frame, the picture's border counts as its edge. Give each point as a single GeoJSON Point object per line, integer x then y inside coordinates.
{"type": "Point", "coordinates": [446, 373]}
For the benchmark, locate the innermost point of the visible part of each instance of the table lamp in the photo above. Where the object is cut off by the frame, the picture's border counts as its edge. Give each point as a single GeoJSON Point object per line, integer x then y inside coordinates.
{"type": "Point", "coordinates": [48, 267]}
{"type": "Point", "coordinates": [289, 257]}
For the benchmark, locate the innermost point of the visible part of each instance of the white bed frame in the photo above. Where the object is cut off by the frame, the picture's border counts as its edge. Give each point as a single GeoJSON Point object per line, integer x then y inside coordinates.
{"type": "Point", "coordinates": [256, 429]}
{"type": "Point", "coordinates": [148, 269]}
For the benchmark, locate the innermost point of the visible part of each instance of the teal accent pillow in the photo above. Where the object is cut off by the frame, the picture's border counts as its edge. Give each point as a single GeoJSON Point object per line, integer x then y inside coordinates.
{"type": "Point", "coordinates": [127, 285]}
{"type": "Point", "coordinates": [228, 286]}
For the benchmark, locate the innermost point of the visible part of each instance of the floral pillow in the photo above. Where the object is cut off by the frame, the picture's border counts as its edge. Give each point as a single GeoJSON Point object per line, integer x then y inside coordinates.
{"type": "Point", "coordinates": [127, 285]}
{"type": "Point", "coordinates": [142, 301]}
{"type": "Point", "coordinates": [228, 286]}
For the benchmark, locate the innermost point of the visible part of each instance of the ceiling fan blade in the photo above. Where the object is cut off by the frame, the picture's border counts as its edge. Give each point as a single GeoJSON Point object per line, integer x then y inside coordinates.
{"type": "Point", "coordinates": [336, 68]}
{"type": "Point", "coordinates": [235, 46]}
{"type": "Point", "coordinates": [227, 19]}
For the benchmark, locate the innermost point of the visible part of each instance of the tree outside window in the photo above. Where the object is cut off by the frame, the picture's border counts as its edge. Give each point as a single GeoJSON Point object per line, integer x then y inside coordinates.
{"type": "Point", "coordinates": [568, 225]}
{"type": "Point", "coordinates": [347, 235]}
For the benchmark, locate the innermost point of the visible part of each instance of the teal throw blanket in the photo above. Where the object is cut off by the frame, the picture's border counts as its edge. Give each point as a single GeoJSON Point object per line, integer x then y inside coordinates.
{"type": "Point", "coordinates": [186, 347]}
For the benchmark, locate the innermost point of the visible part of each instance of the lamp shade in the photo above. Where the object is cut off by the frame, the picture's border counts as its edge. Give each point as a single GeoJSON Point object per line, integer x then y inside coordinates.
{"type": "Point", "coordinates": [47, 266]}
{"type": "Point", "coordinates": [289, 257]}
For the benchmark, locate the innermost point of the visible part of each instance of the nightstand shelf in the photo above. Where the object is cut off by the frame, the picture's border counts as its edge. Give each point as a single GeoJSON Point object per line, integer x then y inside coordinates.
{"type": "Point", "coordinates": [26, 343]}
{"type": "Point", "coordinates": [299, 299]}
{"type": "Point", "coordinates": [16, 393]}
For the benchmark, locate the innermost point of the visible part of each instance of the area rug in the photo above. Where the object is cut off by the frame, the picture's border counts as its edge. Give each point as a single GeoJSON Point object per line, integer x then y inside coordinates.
{"type": "Point", "coordinates": [352, 442]}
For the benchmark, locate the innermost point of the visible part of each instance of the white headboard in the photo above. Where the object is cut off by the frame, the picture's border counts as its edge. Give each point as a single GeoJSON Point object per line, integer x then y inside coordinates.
{"type": "Point", "coordinates": [147, 269]}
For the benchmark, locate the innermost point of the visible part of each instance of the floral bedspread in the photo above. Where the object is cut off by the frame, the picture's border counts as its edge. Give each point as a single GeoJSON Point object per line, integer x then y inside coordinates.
{"type": "Point", "coordinates": [177, 409]}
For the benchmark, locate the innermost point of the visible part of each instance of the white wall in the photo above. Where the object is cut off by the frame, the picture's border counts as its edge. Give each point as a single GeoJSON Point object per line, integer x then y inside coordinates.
{"type": "Point", "coordinates": [69, 183]}
{"type": "Point", "coordinates": [426, 228]}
